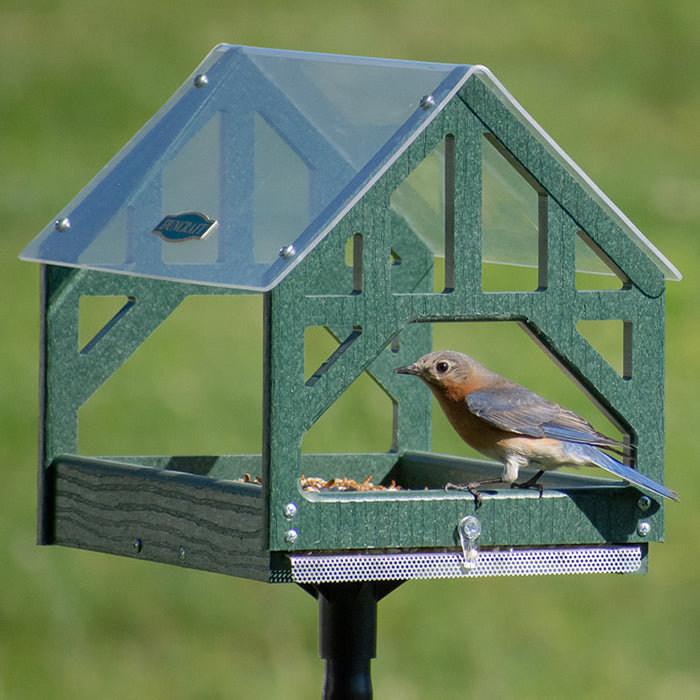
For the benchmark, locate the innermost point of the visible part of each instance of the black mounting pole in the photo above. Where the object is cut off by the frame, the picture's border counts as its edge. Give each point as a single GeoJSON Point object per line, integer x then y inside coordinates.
{"type": "Point", "coordinates": [348, 635]}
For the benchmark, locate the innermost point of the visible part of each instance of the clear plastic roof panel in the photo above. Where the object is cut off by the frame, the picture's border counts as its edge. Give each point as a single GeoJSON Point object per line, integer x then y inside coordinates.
{"type": "Point", "coordinates": [510, 226]}
{"type": "Point", "coordinates": [511, 219]}
{"type": "Point", "coordinates": [259, 154]}
{"type": "Point", "coordinates": [237, 177]}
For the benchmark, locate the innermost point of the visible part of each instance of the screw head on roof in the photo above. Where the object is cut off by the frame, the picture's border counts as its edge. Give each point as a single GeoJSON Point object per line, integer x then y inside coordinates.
{"type": "Point", "coordinates": [201, 80]}
{"type": "Point", "coordinates": [289, 251]}
{"type": "Point", "coordinates": [62, 224]}
{"type": "Point", "coordinates": [427, 101]}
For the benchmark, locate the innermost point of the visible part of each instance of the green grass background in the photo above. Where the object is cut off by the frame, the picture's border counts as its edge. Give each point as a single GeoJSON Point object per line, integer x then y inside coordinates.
{"type": "Point", "coordinates": [616, 84]}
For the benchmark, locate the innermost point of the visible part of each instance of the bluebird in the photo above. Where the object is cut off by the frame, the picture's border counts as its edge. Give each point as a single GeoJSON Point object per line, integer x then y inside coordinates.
{"type": "Point", "coordinates": [507, 422]}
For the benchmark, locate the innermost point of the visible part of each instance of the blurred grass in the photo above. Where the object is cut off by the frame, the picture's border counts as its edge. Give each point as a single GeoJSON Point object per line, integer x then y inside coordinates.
{"type": "Point", "coordinates": [616, 86]}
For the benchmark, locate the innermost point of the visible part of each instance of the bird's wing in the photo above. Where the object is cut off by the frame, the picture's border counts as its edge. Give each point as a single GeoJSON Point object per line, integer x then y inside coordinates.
{"type": "Point", "coordinates": [519, 410]}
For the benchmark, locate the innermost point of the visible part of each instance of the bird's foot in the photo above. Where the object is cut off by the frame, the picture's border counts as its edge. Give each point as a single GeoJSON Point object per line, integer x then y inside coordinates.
{"type": "Point", "coordinates": [472, 487]}
{"type": "Point", "coordinates": [530, 484]}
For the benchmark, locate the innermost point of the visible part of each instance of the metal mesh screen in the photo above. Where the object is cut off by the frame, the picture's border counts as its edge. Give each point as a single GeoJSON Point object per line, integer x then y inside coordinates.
{"type": "Point", "coordinates": [430, 565]}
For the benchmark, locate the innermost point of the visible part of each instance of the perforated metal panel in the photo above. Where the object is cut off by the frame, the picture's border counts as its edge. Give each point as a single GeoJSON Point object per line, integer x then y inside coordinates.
{"type": "Point", "coordinates": [430, 565]}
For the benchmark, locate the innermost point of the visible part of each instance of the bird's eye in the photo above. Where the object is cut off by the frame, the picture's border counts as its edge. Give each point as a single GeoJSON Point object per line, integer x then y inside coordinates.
{"type": "Point", "coordinates": [442, 366]}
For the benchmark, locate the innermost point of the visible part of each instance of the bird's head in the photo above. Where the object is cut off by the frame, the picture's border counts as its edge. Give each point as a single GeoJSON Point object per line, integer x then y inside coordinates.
{"type": "Point", "coordinates": [445, 370]}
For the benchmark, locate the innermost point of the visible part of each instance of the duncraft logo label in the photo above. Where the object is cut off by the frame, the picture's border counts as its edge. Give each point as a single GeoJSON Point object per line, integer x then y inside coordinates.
{"type": "Point", "coordinates": [185, 227]}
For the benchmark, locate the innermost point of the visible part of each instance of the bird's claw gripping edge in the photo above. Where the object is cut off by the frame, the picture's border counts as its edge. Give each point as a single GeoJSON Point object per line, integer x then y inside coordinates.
{"type": "Point", "coordinates": [527, 485]}
{"type": "Point", "coordinates": [532, 483]}
{"type": "Point", "coordinates": [472, 487]}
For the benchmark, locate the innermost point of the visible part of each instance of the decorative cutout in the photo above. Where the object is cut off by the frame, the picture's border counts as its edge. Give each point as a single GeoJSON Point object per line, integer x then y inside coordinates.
{"type": "Point", "coordinates": [353, 259]}
{"type": "Point", "coordinates": [278, 169]}
{"type": "Point", "coordinates": [98, 314]}
{"type": "Point", "coordinates": [193, 387]}
{"type": "Point", "coordinates": [334, 356]}
{"type": "Point", "coordinates": [425, 199]}
{"type": "Point", "coordinates": [513, 223]}
{"type": "Point", "coordinates": [183, 193]}
{"type": "Point", "coordinates": [594, 269]}
{"type": "Point", "coordinates": [360, 420]}
{"type": "Point", "coordinates": [613, 342]}
{"type": "Point", "coordinates": [319, 345]}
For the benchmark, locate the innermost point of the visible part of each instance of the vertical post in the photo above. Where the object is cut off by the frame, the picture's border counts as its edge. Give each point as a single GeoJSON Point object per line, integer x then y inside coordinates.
{"type": "Point", "coordinates": [348, 635]}
{"type": "Point", "coordinates": [347, 638]}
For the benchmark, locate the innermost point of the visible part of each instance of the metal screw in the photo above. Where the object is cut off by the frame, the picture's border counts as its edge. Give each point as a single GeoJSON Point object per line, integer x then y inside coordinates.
{"type": "Point", "coordinates": [290, 510]}
{"type": "Point", "coordinates": [62, 224]}
{"type": "Point", "coordinates": [470, 527]}
{"type": "Point", "coordinates": [289, 251]}
{"type": "Point", "coordinates": [643, 529]}
{"type": "Point", "coordinates": [183, 553]}
{"type": "Point", "coordinates": [644, 503]}
{"type": "Point", "coordinates": [426, 102]}
{"type": "Point", "coordinates": [201, 80]}
{"type": "Point", "coordinates": [291, 536]}
{"type": "Point", "coordinates": [137, 545]}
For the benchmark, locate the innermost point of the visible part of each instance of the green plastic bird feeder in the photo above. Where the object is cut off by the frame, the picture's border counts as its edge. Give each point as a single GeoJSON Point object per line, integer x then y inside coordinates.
{"type": "Point", "coordinates": [253, 179]}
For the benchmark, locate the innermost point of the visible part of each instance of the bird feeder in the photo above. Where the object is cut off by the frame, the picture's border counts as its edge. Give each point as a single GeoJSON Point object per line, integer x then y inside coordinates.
{"type": "Point", "coordinates": [257, 177]}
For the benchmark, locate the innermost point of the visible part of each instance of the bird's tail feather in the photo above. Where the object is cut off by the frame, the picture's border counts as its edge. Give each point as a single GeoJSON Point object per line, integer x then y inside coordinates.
{"type": "Point", "coordinates": [633, 476]}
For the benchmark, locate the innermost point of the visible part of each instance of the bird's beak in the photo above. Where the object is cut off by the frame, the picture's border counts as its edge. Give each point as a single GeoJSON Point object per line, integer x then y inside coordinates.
{"type": "Point", "coordinates": [408, 369]}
